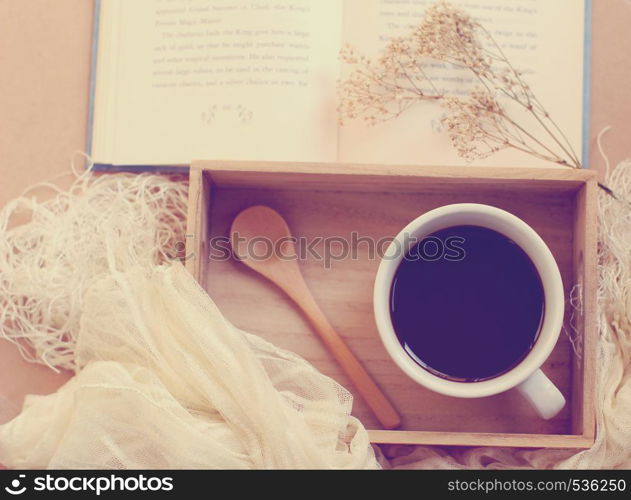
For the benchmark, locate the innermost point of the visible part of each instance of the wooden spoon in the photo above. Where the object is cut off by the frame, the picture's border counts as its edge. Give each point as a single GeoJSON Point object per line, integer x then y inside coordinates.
{"type": "Point", "coordinates": [263, 222]}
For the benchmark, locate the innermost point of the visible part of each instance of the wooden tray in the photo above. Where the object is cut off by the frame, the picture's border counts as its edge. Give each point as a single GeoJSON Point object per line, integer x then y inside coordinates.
{"type": "Point", "coordinates": [377, 201]}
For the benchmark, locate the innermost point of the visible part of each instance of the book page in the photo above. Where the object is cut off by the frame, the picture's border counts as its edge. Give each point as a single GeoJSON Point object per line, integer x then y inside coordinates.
{"type": "Point", "coordinates": [218, 79]}
{"type": "Point", "coordinates": [542, 38]}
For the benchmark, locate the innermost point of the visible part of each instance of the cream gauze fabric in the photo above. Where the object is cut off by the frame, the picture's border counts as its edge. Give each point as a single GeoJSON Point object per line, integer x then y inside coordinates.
{"type": "Point", "coordinates": [88, 282]}
{"type": "Point", "coordinates": [164, 381]}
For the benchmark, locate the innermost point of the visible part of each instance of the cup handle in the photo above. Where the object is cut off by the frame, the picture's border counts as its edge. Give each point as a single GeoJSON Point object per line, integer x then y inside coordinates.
{"type": "Point", "coordinates": [542, 394]}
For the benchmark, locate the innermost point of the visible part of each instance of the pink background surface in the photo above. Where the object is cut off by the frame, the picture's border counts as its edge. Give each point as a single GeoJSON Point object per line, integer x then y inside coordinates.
{"type": "Point", "coordinates": [44, 73]}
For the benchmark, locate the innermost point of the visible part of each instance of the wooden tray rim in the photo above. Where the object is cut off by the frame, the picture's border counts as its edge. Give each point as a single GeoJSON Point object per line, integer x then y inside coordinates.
{"type": "Point", "coordinates": [226, 174]}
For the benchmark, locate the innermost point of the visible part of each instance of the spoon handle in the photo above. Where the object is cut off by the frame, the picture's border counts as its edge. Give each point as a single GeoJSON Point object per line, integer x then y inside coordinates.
{"type": "Point", "coordinates": [364, 383]}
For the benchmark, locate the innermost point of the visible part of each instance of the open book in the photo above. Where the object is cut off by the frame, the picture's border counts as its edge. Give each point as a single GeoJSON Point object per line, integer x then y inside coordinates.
{"type": "Point", "coordinates": [178, 80]}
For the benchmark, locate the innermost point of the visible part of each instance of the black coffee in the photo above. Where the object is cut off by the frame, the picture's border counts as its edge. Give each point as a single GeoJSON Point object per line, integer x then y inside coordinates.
{"type": "Point", "coordinates": [467, 303]}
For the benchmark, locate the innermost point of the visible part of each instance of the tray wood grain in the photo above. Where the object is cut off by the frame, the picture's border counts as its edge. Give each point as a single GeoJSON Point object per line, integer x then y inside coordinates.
{"type": "Point", "coordinates": [376, 202]}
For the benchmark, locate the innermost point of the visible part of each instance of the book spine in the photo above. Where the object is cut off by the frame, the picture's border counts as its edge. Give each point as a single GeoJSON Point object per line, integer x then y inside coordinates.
{"type": "Point", "coordinates": [92, 85]}
{"type": "Point", "coordinates": [158, 169]}
{"type": "Point", "coordinates": [587, 51]}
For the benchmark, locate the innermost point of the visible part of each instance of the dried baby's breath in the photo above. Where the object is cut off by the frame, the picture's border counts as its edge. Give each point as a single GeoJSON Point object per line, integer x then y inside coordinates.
{"type": "Point", "coordinates": [378, 91]}
{"type": "Point", "coordinates": [477, 122]}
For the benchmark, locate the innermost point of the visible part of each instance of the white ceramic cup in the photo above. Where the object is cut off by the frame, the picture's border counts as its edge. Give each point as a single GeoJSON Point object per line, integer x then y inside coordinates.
{"type": "Point", "coordinates": [526, 376]}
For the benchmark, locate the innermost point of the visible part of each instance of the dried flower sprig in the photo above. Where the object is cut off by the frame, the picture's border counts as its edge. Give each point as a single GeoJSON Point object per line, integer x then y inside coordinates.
{"type": "Point", "coordinates": [478, 123]}
{"type": "Point", "coordinates": [385, 89]}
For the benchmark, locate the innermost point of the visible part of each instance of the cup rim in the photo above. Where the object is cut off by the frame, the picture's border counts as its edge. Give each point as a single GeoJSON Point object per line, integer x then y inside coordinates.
{"type": "Point", "coordinates": [534, 246]}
